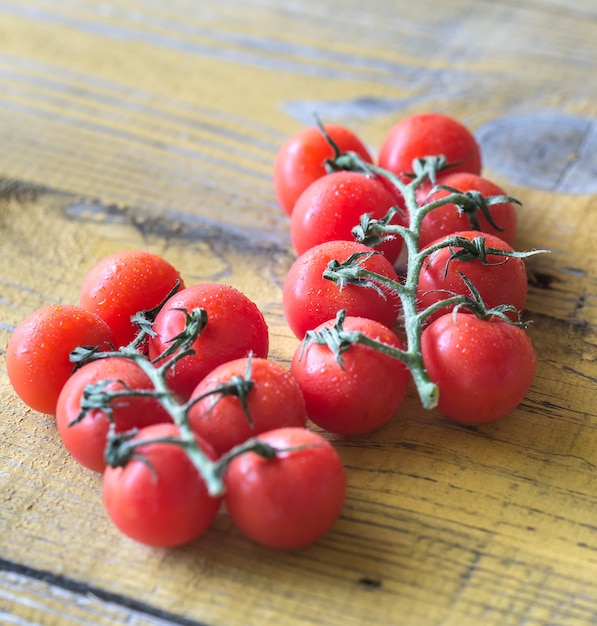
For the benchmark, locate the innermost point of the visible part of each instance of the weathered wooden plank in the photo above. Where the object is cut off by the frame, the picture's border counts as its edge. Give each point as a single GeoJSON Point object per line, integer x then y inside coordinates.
{"type": "Point", "coordinates": [175, 123]}
{"type": "Point", "coordinates": [154, 125]}
{"type": "Point", "coordinates": [60, 601]}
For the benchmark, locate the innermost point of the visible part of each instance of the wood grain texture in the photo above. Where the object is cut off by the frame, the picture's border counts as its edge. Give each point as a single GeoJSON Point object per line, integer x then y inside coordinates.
{"type": "Point", "coordinates": [154, 125]}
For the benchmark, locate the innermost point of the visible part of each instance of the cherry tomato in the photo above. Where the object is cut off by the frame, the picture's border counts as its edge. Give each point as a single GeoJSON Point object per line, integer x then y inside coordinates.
{"type": "Point", "coordinates": [274, 401]}
{"type": "Point", "coordinates": [235, 327]}
{"type": "Point", "coordinates": [301, 160]}
{"type": "Point", "coordinates": [37, 356]}
{"type": "Point", "coordinates": [500, 280]}
{"type": "Point", "coordinates": [429, 134]}
{"type": "Point", "coordinates": [332, 206]}
{"type": "Point", "coordinates": [290, 501]}
{"type": "Point", "coordinates": [86, 439]}
{"type": "Point", "coordinates": [483, 368]}
{"type": "Point", "coordinates": [358, 396]}
{"type": "Point", "coordinates": [448, 219]}
{"type": "Point", "coordinates": [309, 299]}
{"type": "Point", "coordinates": [123, 284]}
{"type": "Point", "coordinates": [160, 499]}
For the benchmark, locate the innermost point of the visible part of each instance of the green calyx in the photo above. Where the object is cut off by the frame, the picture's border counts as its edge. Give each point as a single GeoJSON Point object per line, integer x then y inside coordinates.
{"type": "Point", "coordinates": [238, 386]}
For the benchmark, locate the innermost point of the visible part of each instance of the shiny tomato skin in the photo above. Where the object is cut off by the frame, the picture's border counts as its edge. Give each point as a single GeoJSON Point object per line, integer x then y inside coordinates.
{"type": "Point", "coordinates": [361, 395]}
{"type": "Point", "coordinates": [503, 280]}
{"type": "Point", "coordinates": [86, 440]}
{"type": "Point", "coordinates": [275, 401]}
{"type": "Point", "coordinates": [301, 160]}
{"type": "Point", "coordinates": [162, 502]}
{"type": "Point", "coordinates": [124, 283]}
{"type": "Point", "coordinates": [429, 134]}
{"type": "Point", "coordinates": [446, 219]}
{"type": "Point", "coordinates": [37, 356]}
{"type": "Point", "coordinates": [332, 206]}
{"type": "Point", "coordinates": [309, 300]}
{"type": "Point", "coordinates": [484, 368]}
{"type": "Point", "coordinates": [235, 327]}
{"type": "Point", "coordinates": [291, 501]}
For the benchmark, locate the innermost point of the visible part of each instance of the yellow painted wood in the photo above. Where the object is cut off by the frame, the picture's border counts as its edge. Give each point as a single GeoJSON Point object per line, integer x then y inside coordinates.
{"type": "Point", "coordinates": [154, 125]}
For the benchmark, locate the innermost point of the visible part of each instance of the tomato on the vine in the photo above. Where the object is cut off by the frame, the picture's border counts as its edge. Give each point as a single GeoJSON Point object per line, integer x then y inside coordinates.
{"type": "Point", "coordinates": [225, 419]}
{"type": "Point", "coordinates": [158, 498]}
{"type": "Point", "coordinates": [448, 219]}
{"type": "Point", "coordinates": [292, 500]}
{"type": "Point", "coordinates": [38, 353]}
{"type": "Point", "coordinates": [499, 279]}
{"type": "Point", "coordinates": [124, 283]}
{"type": "Point", "coordinates": [235, 328]}
{"type": "Point", "coordinates": [86, 439]}
{"type": "Point", "coordinates": [429, 134]}
{"type": "Point", "coordinates": [301, 160]}
{"type": "Point", "coordinates": [333, 205]}
{"type": "Point", "coordinates": [483, 368]}
{"type": "Point", "coordinates": [309, 299]}
{"type": "Point", "coordinates": [361, 393]}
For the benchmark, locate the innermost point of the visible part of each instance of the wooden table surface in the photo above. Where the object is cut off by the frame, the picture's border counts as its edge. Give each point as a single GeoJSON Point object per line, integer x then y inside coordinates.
{"type": "Point", "coordinates": [154, 125]}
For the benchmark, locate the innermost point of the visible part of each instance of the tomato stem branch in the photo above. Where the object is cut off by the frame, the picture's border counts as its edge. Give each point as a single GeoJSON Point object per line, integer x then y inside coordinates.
{"type": "Point", "coordinates": [352, 271]}
{"type": "Point", "coordinates": [121, 447]}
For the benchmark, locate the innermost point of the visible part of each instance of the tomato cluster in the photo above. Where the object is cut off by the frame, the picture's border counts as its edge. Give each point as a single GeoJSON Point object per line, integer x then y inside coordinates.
{"type": "Point", "coordinates": [454, 297]}
{"type": "Point", "coordinates": [405, 270]}
{"type": "Point", "coordinates": [167, 391]}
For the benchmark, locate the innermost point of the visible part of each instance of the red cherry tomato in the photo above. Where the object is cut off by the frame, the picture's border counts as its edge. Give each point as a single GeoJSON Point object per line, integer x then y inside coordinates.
{"type": "Point", "coordinates": [447, 219]}
{"type": "Point", "coordinates": [290, 501]}
{"type": "Point", "coordinates": [37, 356]}
{"type": "Point", "coordinates": [160, 499]}
{"type": "Point", "coordinates": [332, 206]}
{"type": "Point", "coordinates": [500, 280]}
{"type": "Point", "coordinates": [274, 401]}
{"type": "Point", "coordinates": [123, 284]}
{"type": "Point", "coordinates": [235, 327]}
{"type": "Point", "coordinates": [429, 134]}
{"type": "Point", "coordinates": [309, 299]}
{"type": "Point", "coordinates": [358, 396]}
{"type": "Point", "coordinates": [301, 160]}
{"type": "Point", "coordinates": [86, 439]}
{"type": "Point", "coordinates": [483, 368]}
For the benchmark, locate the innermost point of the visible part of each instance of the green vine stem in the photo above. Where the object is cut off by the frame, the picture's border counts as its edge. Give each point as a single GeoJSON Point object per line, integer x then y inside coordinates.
{"type": "Point", "coordinates": [120, 446]}
{"type": "Point", "coordinates": [373, 231]}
